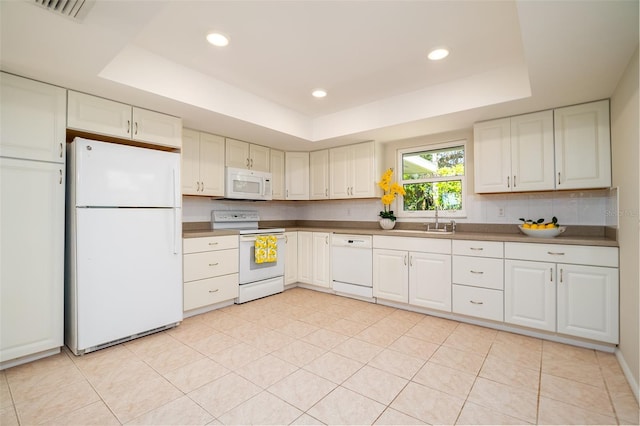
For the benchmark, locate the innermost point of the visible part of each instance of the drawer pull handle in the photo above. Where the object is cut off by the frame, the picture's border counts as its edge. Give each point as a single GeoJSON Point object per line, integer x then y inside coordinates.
{"type": "Point", "coordinates": [555, 253]}
{"type": "Point", "coordinates": [213, 291]}
{"type": "Point", "coordinates": [476, 272]}
{"type": "Point", "coordinates": [214, 264]}
{"type": "Point", "coordinates": [476, 303]}
{"type": "Point", "coordinates": [476, 248]}
{"type": "Point", "coordinates": [213, 244]}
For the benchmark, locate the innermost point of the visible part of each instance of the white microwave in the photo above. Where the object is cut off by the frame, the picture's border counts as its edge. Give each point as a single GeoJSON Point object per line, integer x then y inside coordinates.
{"type": "Point", "coordinates": [243, 184]}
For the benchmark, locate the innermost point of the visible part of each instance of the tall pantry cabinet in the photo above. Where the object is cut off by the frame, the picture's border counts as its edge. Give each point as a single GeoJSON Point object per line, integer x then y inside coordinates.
{"type": "Point", "coordinates": [32, 160]}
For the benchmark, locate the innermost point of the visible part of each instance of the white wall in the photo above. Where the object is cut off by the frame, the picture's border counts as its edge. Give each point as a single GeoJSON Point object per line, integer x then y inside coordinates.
{"type": "Point", "coordinates": [626, 160]}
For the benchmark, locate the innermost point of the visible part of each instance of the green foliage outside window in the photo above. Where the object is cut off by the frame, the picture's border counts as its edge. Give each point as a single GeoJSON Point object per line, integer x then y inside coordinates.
{"type": "Point", "coordinates": [433, 178]}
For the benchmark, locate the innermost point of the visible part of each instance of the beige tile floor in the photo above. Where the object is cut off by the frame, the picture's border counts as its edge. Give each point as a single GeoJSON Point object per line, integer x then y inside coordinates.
{"type": "Point", "coordinates": [304, 357]}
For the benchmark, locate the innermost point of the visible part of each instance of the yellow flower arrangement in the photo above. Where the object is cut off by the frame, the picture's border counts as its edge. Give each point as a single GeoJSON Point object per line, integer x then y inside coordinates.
{"type": "Point", "coordinates": [391, 190]}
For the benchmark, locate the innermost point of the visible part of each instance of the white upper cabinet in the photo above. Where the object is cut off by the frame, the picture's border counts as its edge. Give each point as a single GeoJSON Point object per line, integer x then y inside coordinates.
{"type": "Point", "coordinates": [202, 164]}
{"type": "Point", "coordinates": [102, 116]}
{"type": "Point", "coordinates": [583, 146]}
{"type": "Point", "coordinates": [319, 175]}
{"type": "Point", "coordinates": [514, 154]}
{"type": "Point", "coordinates": [32, 122]}
{"type": "Point", "coordinates": [564, 148]}
{"type": "Point", "coordinates": [532, 163]}
{"type": "Point", "coordinates": [353, 171]}
{"type": "Point", "coordinates": [245, 155]}
{"type": "Point", "coordinates": [277, 174]}
{"type": "Point", "coordinates": [297, 175]}
{"type": "Point", "coordinates": [492, 155]}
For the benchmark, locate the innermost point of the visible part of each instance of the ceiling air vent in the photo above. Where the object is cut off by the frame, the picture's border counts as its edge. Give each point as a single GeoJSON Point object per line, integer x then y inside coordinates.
{"type": "Point", "coordinates": [74, 9]}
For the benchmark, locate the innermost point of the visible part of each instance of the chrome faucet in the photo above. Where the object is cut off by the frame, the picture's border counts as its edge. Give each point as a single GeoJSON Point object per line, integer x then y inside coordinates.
{"type": "Point", "coordinates": [436, 217]}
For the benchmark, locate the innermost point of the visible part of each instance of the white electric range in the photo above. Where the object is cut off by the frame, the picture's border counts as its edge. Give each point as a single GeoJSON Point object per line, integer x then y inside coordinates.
{"type": "Point", "coordinates": [256, 279]}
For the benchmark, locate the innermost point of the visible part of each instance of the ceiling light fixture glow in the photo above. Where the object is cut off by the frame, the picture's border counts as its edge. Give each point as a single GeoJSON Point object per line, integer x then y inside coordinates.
{"type": "Point", "coordinates": [319, 93]}
{"type": "Point", "coordinates": [218, 39]}
{"type": "Point", "coordinates": [437, 54]}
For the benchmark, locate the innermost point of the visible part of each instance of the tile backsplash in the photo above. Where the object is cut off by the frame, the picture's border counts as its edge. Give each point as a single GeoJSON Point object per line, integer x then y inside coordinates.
{"type": "Point", "coordinates": [592, 207]}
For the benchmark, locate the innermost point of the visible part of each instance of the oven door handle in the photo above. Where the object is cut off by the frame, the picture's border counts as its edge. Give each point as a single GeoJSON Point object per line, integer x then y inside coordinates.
{"type": "Point", "coordinates": [251, 238]}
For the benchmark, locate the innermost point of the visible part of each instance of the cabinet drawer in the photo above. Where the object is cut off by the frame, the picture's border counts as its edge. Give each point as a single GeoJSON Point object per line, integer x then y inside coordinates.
{"type": "Point", "coordinates": [209, 291]}
{"type": "Point", "coordinates": [210, 264]}
{"type": "Point", "coordinates": [478, 272]}
{"type": "Point", "coordinates": [195, 245]}
{"type": "Point", "coordinates": [478, 248]}
{"type": "Point", "coordinates": [563, 253]}
{"type": "Point", "coordinates": [425, 245]}
{"type": "Point", "coordinates": [478, 302]}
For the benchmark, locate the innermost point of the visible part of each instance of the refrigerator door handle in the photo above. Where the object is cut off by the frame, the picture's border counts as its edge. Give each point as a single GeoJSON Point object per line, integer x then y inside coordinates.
{"type": "Point", "coordinates": [176, 224]}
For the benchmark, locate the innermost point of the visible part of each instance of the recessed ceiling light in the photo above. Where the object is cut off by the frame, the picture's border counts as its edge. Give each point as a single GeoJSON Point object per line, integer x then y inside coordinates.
{"type": "Point", "coordinates": [218, 39]}
{"type": "Point", "coordinates": [437, 54]}
{"type": "Point", "coordinates": [319, 93]}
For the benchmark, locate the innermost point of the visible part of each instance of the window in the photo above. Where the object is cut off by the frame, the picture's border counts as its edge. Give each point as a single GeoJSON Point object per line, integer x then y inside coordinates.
{"type": "Point", "coordinates": [432, 176]}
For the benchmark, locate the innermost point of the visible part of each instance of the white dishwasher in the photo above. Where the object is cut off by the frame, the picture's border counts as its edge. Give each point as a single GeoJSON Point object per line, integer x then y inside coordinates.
{"type": "Point", "coordinates": [352, 265]}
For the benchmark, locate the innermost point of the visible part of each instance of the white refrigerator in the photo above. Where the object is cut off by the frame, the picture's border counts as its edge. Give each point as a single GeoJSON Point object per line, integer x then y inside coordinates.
{"type": "Point", "coordinates": [123, 273]}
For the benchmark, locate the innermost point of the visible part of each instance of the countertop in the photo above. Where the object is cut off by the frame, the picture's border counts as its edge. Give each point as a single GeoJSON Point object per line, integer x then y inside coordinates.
{"type": "Point", "coordinates": [589, 236]}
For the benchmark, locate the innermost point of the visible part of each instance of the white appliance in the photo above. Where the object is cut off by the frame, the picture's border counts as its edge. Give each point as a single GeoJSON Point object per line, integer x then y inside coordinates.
{"type": "Point", "coordinates": [243, 184]}
{"type": "Point", "coordinates": [123, 272]}
{"type": "Point", "coordinates": [352, 265]}
{"type": "Point", "coordinates": [256, 279]}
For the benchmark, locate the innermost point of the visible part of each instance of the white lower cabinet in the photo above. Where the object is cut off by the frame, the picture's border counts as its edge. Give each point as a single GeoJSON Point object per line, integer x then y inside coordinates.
{"type": "Point", "coordinates": [314, 258]}
{"type": "Point", "coordinates": [588, 302]}
{"type": "Point", "coordinates": [578, 299]}
{"type": "Point", "coordinates": [210, 270]}
{"type": "Point", "coordinates": [530, 294]}
{"type": "Point", "coordinates": [391, 275]}
{"type": "Point", "coordinates": [31, 258]}
{"type": "Point", "coordinates": [430, 280]}
{"type": "Point", "coordinates": [291, 259]}
{"type": "Point", "coordinates": [478, 279]}
{"type": "Point", "coordinates": [420, 276]}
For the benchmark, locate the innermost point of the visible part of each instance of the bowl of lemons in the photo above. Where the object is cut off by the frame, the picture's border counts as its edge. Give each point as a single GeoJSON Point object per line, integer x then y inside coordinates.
{"type": "Point", "coordinates": [541, 229]}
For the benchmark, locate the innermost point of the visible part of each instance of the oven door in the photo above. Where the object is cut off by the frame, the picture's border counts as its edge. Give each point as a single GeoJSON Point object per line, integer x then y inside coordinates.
{"type": "Point", "coordinates": [250, 271]}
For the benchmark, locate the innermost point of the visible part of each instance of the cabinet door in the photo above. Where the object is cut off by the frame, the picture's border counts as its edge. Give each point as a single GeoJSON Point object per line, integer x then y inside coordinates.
{"type": "Point", "coordinates": [430, 280]}
{"type": "Point", "coordinates": [291, 260]}
{"type": "Point", "coordinates": [277, 175]}
{"type": "Point", "coordinates": [530, 294]}
{"type": "Point", "coordinates": [583, 146]}
{"type": "Point", "coordinates": [236, 154]}
{"type": "Point", "coordinates": [190, 167]}
{"type": "Point", "coordinates": [319, 175]}
{"type": "Point", "coordinates": [156, 128]}
{"type": "Point", "coordinates": [391, 275]}
{"type": "Point", "coordinates": [31, 257]}
{"type": "Point", "coordinates": [363, 178]}
{"type": "Point", "coordinates": [211, 164]}
{"type": "Point", "coordinates": [339, 167]}
{"type": "Point", "coordinates": [33, 119]}
{"type": "Point", "coordinates": [297, 175]}
{"type": "Point", "coordinates": [321, 259]}
{"type": "Point", "coordinates": [588, 302]}
{"type": "Point", "coordinates": [98, 115]}
{"type": "Point", "coordinates": [532, 157]}
{"type": "Point", "coordinates": [492, 156]}
{"type": "Point", "coordinates": [305, 257]}
{"type": "Point", "coordinates": [259, 158]}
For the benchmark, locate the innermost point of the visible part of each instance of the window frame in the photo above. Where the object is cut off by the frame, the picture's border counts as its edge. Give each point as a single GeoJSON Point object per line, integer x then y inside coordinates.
{"type": "Point", "coordinates": [422, 214]}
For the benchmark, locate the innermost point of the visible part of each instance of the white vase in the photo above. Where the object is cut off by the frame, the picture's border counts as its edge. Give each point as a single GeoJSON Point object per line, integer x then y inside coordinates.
{"type": "Point", "coordinates": [387, 223]}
